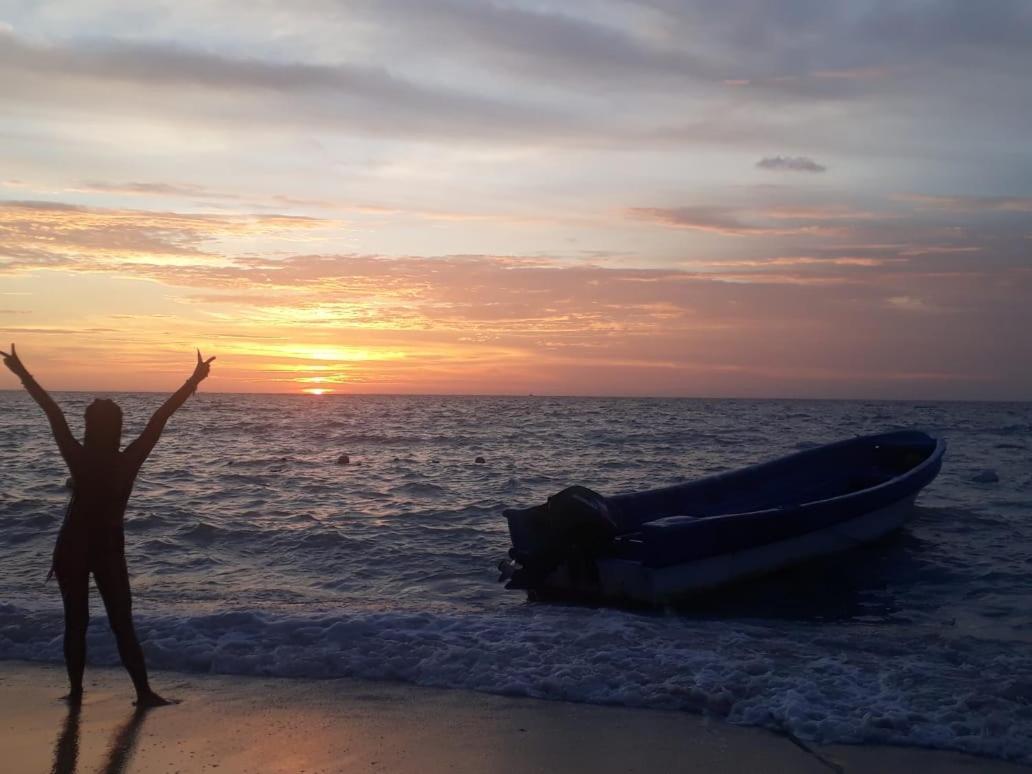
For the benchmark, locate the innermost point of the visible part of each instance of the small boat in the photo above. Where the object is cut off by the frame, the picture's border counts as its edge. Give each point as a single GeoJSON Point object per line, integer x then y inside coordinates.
{"type": "Point", "coordinates": [656, 546]}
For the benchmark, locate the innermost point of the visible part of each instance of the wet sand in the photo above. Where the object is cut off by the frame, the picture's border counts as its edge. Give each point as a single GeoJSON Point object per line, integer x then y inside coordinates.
{"type": "Point", "coordinates": [230, 725]}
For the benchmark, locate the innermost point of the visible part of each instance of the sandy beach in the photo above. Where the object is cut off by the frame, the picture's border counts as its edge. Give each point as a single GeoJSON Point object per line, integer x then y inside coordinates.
{"type": "Point", "coordinates": [230, 724]}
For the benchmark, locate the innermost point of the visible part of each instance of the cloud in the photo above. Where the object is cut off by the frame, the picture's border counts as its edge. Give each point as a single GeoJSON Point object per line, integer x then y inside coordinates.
{"type": "Point", "coordinates": [799, 260]}
{"type": "Point", "coordinates": [727, 221]}
{"type": "Point", "coordinates": [910, 304]}
{"type": "Point", "coordinates": [790, 164]}
{"type": "Point", "coordinates": [58, 234]}
{"type": "Point", "coordinates": [551, 42]}
{"type": "Point", "coordinates": [735, 329]}
{"type": "Point", "coordinates": [137, 188]}
{"type": "Point", "coordinates": [850, 37]}
{"type": "Point", "coordinates": [56, 331]}
{"type": "Point", "coordinates": [971, 203]}
{"type": "Point", "coordinates": [227, 200]}
{"type": "Point", "coordinates": [162, 79]}
{"type": "Point", "coordinates": [819, 212]}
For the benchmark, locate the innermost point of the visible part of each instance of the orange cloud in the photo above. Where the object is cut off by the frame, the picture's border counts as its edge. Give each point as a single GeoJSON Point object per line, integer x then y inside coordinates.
{"type": "Point", "coordinates": [806, 323]}
{"type": "Point", "coordinates": [34, 233]}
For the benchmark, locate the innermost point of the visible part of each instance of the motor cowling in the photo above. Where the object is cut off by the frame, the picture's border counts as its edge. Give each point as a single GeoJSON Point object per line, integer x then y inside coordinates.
{"type": "Point", "coordinates": [575, 522]}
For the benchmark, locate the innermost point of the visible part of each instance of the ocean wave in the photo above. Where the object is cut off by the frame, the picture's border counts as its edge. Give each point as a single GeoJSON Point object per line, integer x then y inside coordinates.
{"type": "Point", "coordinates": [37, 520]}
{"type": "Point", "coordinates": [419, 489]}
{"type": "Point", "coordinates": [204, 534]}
{"type": "Point", "coordinates": [847, 688]}
{"type": "Point", "coordinates": [395, 439]}
{"type": "Point", "coordinates": [1015, 429]}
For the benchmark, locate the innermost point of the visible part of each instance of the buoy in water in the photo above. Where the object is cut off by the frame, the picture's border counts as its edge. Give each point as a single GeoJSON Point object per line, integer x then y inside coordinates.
{"type": "Point", "coordinates": [479, 460]}
{"type": "Point", "coordinates": [343, 459]}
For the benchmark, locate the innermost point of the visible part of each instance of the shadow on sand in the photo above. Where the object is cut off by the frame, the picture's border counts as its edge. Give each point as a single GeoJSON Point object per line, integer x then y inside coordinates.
{"type": "Point", "coordinates": [120, 752]}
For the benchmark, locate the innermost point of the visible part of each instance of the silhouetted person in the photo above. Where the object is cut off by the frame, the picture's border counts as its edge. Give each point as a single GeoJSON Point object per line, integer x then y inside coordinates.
{"type": "Point", "coordinates": [92, 538]}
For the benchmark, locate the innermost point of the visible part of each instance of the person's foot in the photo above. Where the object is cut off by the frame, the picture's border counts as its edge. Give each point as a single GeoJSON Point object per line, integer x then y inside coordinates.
{"type": "Point", "coordinates": [73, 698]}
{"type": "Point", "coordinates": [151, 699]}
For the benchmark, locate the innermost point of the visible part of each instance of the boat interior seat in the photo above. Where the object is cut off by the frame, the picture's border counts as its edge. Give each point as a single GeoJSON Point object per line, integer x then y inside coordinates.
{"type": "Point", "coordinates": [786, 492]}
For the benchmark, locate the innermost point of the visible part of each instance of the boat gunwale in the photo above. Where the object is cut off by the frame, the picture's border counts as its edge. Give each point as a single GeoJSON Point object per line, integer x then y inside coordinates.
{"type": "Point", "coordinates": [792, 457]}
{"type": "Point", "coordinates": [934, 457]}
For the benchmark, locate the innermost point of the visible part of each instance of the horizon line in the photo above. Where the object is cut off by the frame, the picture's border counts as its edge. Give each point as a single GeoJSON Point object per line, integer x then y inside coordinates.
{"type": "Point", "coordinates": [590, 396]}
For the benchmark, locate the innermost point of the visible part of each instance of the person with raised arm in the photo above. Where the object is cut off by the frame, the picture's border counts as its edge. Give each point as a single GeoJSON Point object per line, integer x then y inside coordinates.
{"type": "Point", "coordinates": [91, 539]}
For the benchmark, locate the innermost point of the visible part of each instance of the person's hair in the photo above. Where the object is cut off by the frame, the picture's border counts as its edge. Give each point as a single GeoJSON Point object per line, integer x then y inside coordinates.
{"type": "Point", "coordinates": [103, 425]}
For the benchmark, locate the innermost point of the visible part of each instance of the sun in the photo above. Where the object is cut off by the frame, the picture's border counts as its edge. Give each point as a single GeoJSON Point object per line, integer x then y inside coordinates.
{"type": "Point", "coordinates": [318, 389]}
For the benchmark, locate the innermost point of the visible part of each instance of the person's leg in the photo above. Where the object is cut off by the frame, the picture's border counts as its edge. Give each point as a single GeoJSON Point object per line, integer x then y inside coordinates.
{"type": "Point", "coordinates": [75, 594]}
{"type": "Point", "coordinates": [112, 579]}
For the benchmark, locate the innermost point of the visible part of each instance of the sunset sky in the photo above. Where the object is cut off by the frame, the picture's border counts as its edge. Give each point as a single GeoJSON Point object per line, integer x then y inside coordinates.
{"type": "Point", "coordinates": [811, 198]}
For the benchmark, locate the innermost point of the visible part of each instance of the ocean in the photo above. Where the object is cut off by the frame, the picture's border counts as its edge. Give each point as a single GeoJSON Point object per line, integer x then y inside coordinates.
{"type": "Point", "coordinates": [253, 552]}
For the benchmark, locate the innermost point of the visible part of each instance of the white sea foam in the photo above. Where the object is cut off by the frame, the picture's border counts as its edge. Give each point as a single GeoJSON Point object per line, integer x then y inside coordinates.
{"type": "Point", "coordinates": [842, 688]}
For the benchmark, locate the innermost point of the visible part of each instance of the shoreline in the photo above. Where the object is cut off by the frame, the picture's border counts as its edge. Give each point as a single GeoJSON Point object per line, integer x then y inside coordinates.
{"type": "Point", "coordinates": [250, 724]}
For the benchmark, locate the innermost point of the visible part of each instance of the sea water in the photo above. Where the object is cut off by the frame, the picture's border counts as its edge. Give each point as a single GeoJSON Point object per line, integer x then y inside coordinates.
{"type": "Point", "coordinates": [253, 552]}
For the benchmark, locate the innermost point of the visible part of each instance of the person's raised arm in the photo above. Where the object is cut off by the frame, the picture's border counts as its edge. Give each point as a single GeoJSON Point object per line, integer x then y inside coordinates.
{"type": "Point", "coordinates": [142, 446]}
{"type": "Point", "coordinates": [66, 443]}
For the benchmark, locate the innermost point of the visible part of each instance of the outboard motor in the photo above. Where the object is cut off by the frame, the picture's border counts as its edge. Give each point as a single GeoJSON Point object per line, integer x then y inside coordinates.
{"type": "Point", "coordinates": [574, 522]}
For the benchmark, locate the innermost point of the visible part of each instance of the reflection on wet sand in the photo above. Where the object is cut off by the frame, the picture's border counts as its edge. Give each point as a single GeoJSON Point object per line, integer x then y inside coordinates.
{"type": "Point", "coordinates": [120, 752]}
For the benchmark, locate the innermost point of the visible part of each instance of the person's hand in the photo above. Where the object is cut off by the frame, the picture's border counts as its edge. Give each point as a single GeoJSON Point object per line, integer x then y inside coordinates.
{"type": "Point", "coordinates": [202, 368]}
{"type": "Point", "coordinates": [12, 361]}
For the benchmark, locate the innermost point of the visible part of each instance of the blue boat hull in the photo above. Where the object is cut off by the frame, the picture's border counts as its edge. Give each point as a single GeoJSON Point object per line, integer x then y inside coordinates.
{"type": "Point", "coordinates": [657, 545]}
